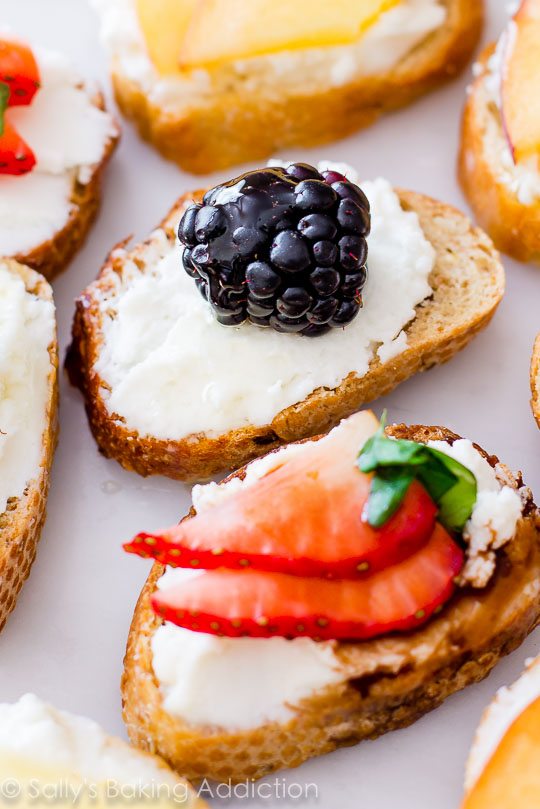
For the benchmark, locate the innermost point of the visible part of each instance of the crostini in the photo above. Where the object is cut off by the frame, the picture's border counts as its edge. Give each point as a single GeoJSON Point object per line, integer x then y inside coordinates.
{"type": "Point", "coordinates": [55, 141]}
{"type": "Point", "coordinates": [332, 591]}
{"type": "Point", "coordinates": [28, 420]}
{"type": "Point", "coordinates": [502, 769]}
{"type": "Point", "coordinates": [49, 756]}
{"type": "Point", "coordinates": [499, 164]}
{"type": "Point", "coordinates": [215, 83]}
{"type": "Point", "coordinates": [266, 325]}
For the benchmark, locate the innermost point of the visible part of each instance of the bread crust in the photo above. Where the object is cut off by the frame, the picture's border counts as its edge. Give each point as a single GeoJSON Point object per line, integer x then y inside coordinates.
{"type": "Point", "coordinates": [52, 257]}
{"type": "Point", "coordinates": [535, 380]}
{"type": "Point", "coordinates": [21, 523]}
{"type": "Point", "coordinates": [390, 682]}
{"type": "Point", "coordinates": [239, 125]}
{"type": "Point", "coordinates": [468, 283]}
{"type": "Point", "coordinates": [513, 226]}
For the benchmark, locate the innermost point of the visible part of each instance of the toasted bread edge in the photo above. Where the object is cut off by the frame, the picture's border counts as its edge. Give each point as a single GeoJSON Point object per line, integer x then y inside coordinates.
{"type": "Point", "coordinates": [21, 524]}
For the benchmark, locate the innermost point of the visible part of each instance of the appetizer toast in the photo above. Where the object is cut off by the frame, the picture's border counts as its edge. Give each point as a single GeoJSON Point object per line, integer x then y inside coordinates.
{"type": "Point", "coordinates": [47, 752]}
{"type": "Point", "coordinates": [501, 180]}
{"type": "Point", "coordinates": [56, 139]}
{"type": "Point", "coordinates": [22, 520]}
{"type": "Point", "coordinates": [388, 681]}
{"type": "Point", "coordinates": [467, 282]}
{"type": "Point", "coordinates": [209, 115]}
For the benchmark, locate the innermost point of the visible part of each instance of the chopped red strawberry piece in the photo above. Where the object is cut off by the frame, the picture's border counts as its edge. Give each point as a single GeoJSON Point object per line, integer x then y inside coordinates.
{"type": "Point", "coordinates": [16, 157]}
{"type": "Point", "coordinates": [305, 518]}
{"type": "Point", "coordinates": [264, 605]}
{"type": "Point", "coordinates": [19, 71]}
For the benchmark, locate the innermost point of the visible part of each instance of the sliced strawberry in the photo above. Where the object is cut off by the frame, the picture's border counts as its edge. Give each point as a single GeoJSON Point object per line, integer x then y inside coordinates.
{"type": "Point", "coordinates": [16, 157]}
{"type": "Point", "coordinates": [264, 605]}
{"type": "Point", "coordinates": [19, 71]}
{"type": "Point", "coordinates": [304, 518]}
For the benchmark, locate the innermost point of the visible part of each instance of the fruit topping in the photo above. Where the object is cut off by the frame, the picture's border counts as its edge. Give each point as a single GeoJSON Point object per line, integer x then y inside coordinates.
{"type": "Point", "coordinates": [164, 24]}
{"type": "Point", "coordinates": [19, 82]}
{"type": "Point", "coordinates": [264, 605]}
{"type": "Point", "coordinates": [326, 543]}
{"type": "Point", "coordinates": [520, 79]}
{"type": "Point", "coordinates": [225, 30]}
{"type": "Point", "coordinates": [16, 157]}
{"type": "Point", "coordinates": [304, 518]}
{"type": "Point", "coordinates": [511, 777]}
{"type": "Point", "coordinates": [187, 34]}
{"type": "Point", "coordinates": [284, 248]}
{"type": "Point", "coordinates": [19, 72]}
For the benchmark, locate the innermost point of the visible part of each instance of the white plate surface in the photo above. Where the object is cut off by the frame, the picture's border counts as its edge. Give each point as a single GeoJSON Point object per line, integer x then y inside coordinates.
{"type": "Point", "coordinates": [66, 639]}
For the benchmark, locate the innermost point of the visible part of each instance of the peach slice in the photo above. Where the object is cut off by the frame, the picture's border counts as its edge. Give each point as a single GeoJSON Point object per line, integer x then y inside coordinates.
{"type": "Point", "coordinates": [223, 30]}
{"type": "Point", "coordinates": [511, 779]}
{"type": "Point", "coordinates": [521, 83]}
{"type": "Point", "coordinates": [164, 24]}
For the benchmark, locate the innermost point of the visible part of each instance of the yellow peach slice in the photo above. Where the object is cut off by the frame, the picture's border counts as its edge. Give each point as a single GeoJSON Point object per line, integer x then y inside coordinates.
{"type": "Point", "coordinates": [164, 24]}
{"type": "Point", "coordinates": [25, 784]}
{"type": "Point", "coordinates": [511, 779]}
{"type": "Point", "coordinates": [225, 30]}
{"type": "Point", "coordinates": [521, 83]}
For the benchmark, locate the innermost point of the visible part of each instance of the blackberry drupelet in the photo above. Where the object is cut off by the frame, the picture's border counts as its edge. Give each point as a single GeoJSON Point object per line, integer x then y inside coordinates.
{"type": "Point", "coordinates": [284, 248]}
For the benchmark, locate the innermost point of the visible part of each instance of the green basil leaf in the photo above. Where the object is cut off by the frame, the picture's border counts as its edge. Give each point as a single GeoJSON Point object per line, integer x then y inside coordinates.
{"type": "Point", "coordinates": [382, 451]}
{"type": "Point", "coordinates": [456, 505]}
{"type": "Point", "coordinates": [397, 462]}
{"type": "Point", "coordinates": [436, 478]}
{"type": "Point", "coordinates": [4, 96]}
{"type": "Point", "coordinates": [386, 495]}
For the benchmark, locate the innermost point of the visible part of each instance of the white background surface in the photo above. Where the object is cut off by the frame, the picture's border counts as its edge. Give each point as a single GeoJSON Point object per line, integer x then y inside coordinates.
{"type": "Point", "coordinates": [66, 639]}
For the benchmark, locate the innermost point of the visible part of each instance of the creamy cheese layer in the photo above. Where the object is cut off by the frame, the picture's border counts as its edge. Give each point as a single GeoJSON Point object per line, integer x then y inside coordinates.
{"type": "Point", "coordinates": [495, 514]}
{"type": "Point", "coordinates": [27, 329]}
{"type": "Point", "coordinates": [44, 736]}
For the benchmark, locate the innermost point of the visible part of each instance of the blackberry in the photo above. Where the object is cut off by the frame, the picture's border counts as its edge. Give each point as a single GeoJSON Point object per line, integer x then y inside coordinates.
{"type": "Point", "coordinates": [284, 248]}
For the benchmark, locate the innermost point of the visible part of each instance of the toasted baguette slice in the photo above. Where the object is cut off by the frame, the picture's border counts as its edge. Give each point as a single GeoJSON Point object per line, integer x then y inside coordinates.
{"type": "Point", "coordinates": [63, 751]}
{"type": "Point", "coordinates": [486, 181]}
{"type": "Point", "coordinates": [390, 681]}
{"type": "Point", "coordinates": [254, 111]}
{"type": "Point", "coordinates": [535, 380]}
{"type": "Point", "coordinates": [21, 523]}
{"type": "Point", "coordinates": [52, 257]}
{"type": "Point", "coordinates": [468, 283]}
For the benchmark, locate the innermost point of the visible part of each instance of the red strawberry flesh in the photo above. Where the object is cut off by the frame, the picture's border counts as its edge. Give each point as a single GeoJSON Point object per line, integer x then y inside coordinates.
{"type": "Point", "coordinates": [19, 71]}
{"type": "Point", "coordinates": [305, 518]}
{"type": "Point", "coordinates": [257, 604]}
{"type": "Point", "coordinates": [16, 157]}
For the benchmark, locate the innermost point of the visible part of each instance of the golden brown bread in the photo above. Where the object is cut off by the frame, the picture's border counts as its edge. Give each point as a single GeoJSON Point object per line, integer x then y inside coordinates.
{"type": "Point", "coordinates": [21, 523]}
{"type": "Point", "coordinates": [513, 226]}
{"type": "Point", "coordinates": [53, 256]}
{"type": "Point", "coordinates": [535, 380]}
{"type": "Point", "coordinates": [389, 682]}
{"type": "Point", "coordinates": [468, 283]}
{"type": "Point", "coordinates": [241, 121]}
